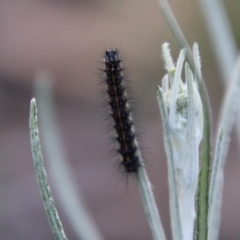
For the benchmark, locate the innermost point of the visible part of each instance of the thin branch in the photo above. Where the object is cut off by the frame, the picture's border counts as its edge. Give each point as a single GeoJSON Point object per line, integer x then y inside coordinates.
{"type": "Point", "coordinates": [149, 203]}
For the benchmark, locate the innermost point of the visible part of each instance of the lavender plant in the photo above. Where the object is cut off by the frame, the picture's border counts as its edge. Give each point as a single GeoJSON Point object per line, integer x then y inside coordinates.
{"type": "Point", "coordinates": [195, 195]}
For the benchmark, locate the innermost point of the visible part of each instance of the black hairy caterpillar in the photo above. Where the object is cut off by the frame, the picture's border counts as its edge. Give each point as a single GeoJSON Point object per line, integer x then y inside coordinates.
{"type": "Point", "coordinates": [120, 112]}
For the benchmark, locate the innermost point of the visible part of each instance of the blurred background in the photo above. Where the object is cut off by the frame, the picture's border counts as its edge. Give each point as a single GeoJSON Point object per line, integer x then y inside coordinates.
{"type": "Point", "coordinates": [68, 38]}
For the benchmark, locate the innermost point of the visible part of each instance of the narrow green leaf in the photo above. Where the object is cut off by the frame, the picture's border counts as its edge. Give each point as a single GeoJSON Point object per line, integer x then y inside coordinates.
{"type": "Point", "coordinates": [52, 214]}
